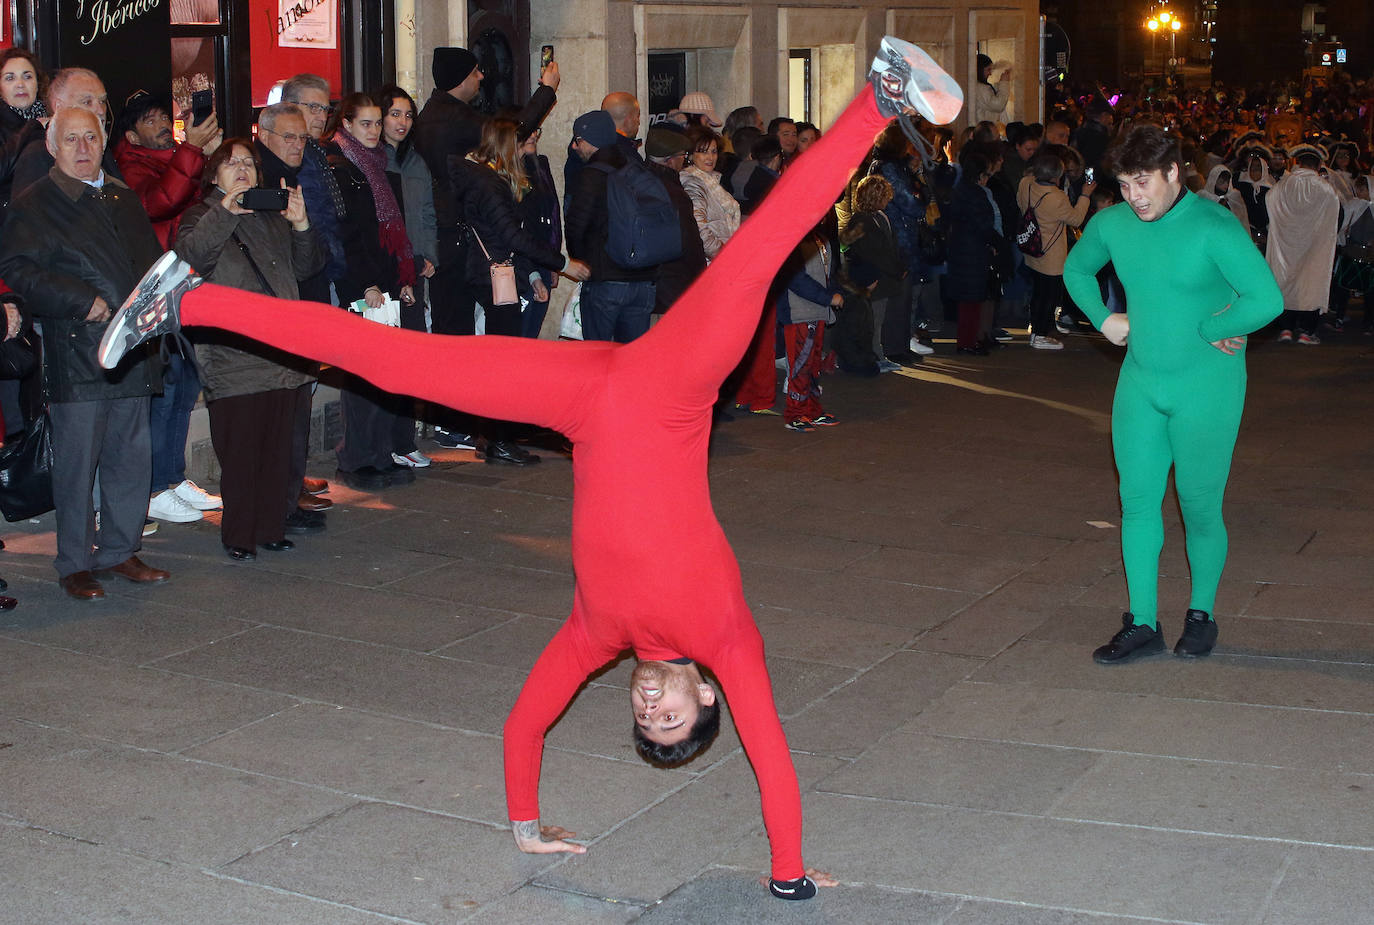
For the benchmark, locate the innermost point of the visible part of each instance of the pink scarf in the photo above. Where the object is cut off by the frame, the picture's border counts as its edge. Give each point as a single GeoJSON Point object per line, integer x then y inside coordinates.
{"type": "Point", "coordinates": [391, 226]}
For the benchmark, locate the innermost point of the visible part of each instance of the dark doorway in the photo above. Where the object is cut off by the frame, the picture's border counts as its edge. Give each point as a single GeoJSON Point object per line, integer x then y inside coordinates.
{"type": "Point", "coordinates": [499, 36]}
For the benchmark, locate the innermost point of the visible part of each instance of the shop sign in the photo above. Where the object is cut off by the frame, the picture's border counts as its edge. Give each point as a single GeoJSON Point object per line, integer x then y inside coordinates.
{"type": "Point", "coordinates": [307, 24]}
{"type": "Point", "coordinates": [127, 42]}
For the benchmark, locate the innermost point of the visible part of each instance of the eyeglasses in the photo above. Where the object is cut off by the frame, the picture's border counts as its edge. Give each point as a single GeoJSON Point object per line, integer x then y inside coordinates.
{"type": "Point", "coordinates": [316, 108]}
{"type": "Point", "coordinates": [290, 138]}
{"type": "Point", "coordinates": [238, 162]}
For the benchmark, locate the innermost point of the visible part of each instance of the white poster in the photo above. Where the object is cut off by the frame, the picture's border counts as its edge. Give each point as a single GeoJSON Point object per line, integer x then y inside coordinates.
{"type": "Point", "coordinates": [308, 24]}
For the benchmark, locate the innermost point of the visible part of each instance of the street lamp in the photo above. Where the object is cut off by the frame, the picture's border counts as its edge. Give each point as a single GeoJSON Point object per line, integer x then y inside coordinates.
{"type": "Point", "coordinates": [1164, 21]}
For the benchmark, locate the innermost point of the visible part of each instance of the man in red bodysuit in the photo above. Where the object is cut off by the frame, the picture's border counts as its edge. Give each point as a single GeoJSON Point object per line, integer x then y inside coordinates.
{"type": "Point", "coordinates": [633, 498]}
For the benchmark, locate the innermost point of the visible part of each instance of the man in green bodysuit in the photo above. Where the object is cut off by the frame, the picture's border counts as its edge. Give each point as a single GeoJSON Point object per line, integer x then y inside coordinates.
{"type": "Point", "coordinates": [1195, 287]}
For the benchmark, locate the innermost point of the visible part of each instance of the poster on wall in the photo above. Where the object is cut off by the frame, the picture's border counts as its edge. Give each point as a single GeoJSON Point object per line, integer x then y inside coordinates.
{"type": "Point", "coordinates": [126, 42]}
{"type": "Point", "coordinates": [667, 82]}
{"type": "Point", "coordinates": [308, 24]}
{"type": "Point", "coordinates": [276, 50]}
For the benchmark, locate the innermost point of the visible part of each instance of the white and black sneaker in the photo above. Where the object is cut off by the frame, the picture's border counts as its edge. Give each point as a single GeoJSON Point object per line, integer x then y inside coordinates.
{"type": "Point", "coordinates": [153, 308]}
{"type": "Point", "coordinates": [905, 78]}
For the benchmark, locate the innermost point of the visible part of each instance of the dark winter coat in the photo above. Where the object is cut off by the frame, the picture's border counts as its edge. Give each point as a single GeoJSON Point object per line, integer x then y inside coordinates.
{"type": "Point", "coordinates": [675, 276]}
{"type": "Point", "coordinates": [488, 205]}
{"type": "Point", "coordinates": [367, 264]}
{"type": "Point", "coordinates": [973, 242]}
{"type": "Point", "coordinates": [229, 363]}
{"type": "Point", "coordinates": [65, 243]}
{"type": "Point", "coordinates": [447, 129]}
{"type": "Point", "coordinates": [588, 222]}
{"type": "Point", "coordinates": [16, 133]}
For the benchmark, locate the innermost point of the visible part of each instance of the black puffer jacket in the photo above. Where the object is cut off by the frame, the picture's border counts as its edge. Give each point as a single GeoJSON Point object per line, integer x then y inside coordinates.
{"type": "Point", "coordinates": [488, 206]}
{"type": "Point", "coordinates": [64, 244]}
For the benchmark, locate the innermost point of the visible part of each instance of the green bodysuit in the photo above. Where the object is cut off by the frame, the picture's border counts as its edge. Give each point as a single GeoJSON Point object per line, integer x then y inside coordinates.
{"type": "Point", "coordinates": [1191, 277]}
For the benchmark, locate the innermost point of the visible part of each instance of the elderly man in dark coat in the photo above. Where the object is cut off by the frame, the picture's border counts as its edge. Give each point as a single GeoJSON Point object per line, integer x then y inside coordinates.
{"type": "Point", "coordinates": [76, 243]}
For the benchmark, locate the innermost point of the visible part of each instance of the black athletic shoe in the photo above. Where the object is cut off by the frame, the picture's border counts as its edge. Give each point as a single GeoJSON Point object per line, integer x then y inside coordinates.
{"type": "Point", "coordinates": [801, 888]}
{"type": "Point", "coordinates": [1131, 642]}
{"type": "Point", "coordinates": [1199, 635]}
{"type": "Point", "coordinates": [153, 308]}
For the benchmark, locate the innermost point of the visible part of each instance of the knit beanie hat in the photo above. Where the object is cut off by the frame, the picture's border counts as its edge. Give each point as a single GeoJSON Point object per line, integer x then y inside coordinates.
{"type": "Point", "coordinates": [452, 66]}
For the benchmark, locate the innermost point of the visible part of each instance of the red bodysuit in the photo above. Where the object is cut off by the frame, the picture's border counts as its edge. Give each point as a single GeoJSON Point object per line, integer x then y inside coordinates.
{"type": "Point", "coordinates": [654, 571]}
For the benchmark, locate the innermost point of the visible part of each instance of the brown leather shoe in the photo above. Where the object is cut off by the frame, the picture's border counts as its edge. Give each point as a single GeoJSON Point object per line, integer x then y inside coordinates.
{"type": "Point", "coordinates": [136, 570]}
{"type": "Point", "coordinates": [82, 586]}
{"type": "Point", "coordinates": [316, 486]}
{"type": "Point", "coordinates": [308, 502]}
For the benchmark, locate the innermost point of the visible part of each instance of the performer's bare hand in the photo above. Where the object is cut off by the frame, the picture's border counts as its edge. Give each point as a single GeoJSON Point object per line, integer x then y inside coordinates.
{"type": "Point", "coordinates": [1116, 328]}
{"type": "Point", "coordinates": [532, 838]}
{"type": "Point", "coordinates": [1230, 345]}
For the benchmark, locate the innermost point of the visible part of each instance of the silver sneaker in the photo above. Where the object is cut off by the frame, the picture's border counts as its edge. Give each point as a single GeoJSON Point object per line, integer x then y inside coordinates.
{"type": "Point", "coordinates": [153, 308]}
{"type": "Point", "coordinates": [905, 78]}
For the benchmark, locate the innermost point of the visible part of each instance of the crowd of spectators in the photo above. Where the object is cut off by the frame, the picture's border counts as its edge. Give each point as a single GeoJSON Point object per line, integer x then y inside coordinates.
{"type": "Point", "coordinates": [446, 219]}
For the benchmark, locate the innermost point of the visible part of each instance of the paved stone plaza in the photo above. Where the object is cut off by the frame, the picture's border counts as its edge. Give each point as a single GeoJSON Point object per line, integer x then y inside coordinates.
{"type": "Point", "coordinates": [315, 738]}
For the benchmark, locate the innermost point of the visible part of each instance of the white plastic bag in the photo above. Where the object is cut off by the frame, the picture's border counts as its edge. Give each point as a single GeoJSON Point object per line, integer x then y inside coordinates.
{"type": "Point", "coordinates": [571, 327]}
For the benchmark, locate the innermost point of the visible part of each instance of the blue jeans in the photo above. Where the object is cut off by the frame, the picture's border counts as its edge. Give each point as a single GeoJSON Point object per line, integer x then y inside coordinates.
{"type": "Point", "coordinates": [170, 420]}
{"type": "Point", "coordinates": [617, 311]}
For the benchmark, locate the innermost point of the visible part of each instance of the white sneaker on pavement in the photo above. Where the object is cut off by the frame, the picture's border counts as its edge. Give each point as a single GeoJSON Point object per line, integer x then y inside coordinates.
{"type": "Point", "coordinates": [197, 497]}
{"type": "Point", "coordinates": [167, 505]}
{"type": "Point", "coordinates": [413, 460]}
{"type": "Point", "coordinates": [919, 348]}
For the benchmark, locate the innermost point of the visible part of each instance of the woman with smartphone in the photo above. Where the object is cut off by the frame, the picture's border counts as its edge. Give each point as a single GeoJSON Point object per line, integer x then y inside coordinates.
{"type": "Point", "coordinates": [250, 389]}
{"type": "Point", "coordinates": [381, 262]}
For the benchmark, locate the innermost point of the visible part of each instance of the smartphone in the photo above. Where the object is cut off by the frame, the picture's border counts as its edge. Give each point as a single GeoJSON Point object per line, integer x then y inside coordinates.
{"type": "Point", "coordinates": [202, 105]}
{"type": "Point", "coordinates": [545, 56]}
{"type": "Point", "coordinates": [264, 200]}
{"type": "Point", "coordinates": [1088, 174]}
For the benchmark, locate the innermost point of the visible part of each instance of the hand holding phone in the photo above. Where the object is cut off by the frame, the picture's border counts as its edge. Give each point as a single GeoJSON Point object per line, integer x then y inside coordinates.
{"type": "Point", "coordinates": [202, 105]}
{"type": "Point", "coordinates": [258, 199]}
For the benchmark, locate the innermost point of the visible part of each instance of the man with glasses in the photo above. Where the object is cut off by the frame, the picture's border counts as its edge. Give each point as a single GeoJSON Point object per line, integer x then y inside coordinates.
{"type": "Point", "coordinates": [288, 147]}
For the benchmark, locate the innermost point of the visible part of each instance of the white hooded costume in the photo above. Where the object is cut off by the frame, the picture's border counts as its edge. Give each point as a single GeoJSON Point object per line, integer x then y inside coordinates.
{"type": "Point", "coordinates": [1232, 200]}
{"type": "Point", "coordinates": [1304, 215]}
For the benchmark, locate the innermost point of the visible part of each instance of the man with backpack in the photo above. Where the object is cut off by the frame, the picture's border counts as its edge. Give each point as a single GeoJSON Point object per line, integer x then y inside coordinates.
{"type": "Point", "coordinates": [623, 224]}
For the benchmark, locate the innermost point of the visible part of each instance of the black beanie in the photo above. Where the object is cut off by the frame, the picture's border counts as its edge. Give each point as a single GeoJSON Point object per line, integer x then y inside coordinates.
{"type": "Point", "coordinates": [452, 66]}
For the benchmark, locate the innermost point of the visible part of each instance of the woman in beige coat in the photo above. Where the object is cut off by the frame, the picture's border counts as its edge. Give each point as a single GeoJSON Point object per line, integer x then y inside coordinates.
{"type": "Point", "coordinates": [717, 213]}
{"type": "Point", "coordinates": [1039, 190]}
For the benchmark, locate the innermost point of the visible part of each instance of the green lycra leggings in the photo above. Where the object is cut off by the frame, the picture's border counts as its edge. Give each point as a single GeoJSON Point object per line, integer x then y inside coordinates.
{"type": "Point", "coordinates": [1188, 422]}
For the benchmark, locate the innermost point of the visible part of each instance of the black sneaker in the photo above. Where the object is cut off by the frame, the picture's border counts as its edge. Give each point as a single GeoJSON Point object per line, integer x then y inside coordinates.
{"type": "Point", "coordinates": [1132, 641]}
{"type": "Point", "coordinates": [454, 439]}
{"type": "Point", "coordinates": [905, 78]}
{"type": "Point", "coordinates": [153, 308]}
{"type": "Point", "coordinates": [1199, 635]}
{"type": "Point", "coordinates": [305, 523]}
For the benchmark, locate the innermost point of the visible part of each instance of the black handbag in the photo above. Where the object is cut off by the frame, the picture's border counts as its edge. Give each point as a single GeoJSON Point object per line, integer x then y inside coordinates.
{"type": "Point", "coordinates": [26, 472]}
{"type": "Point", "coordinates": [19, 355]}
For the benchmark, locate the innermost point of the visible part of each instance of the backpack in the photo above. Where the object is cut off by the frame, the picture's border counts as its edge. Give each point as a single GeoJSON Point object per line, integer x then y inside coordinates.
{"type": "Point", "coordinates": [644, 228]}
{"type": "Point", "coordinates": [1028, 232]}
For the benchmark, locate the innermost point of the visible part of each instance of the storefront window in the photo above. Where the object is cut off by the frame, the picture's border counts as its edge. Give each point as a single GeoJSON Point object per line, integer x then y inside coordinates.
{"type": "Point", "coordinates": [193, 68]}
{"type": "Point", "coordinates": [195, 12]}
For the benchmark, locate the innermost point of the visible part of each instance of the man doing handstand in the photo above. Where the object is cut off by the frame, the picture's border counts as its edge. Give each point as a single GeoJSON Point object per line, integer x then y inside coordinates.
{"type": "Point", "coordinates": [639, 418]}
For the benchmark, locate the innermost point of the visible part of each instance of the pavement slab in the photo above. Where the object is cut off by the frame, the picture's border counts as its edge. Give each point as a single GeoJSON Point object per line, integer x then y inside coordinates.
{"type": "Point", "coordinates": [316, 737]}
